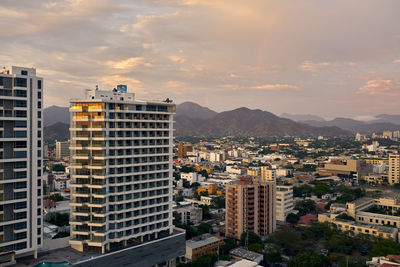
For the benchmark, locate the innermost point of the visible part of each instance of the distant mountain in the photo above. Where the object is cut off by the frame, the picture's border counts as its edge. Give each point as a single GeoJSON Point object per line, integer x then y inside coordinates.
{"type": "Point", "coordinates": [247, 122]}
{"type": "Point", "coordinates": [395, 119]}
{"type": "Point", "coordinates": [194, 111]}
{"type": "Point", "coordinates": [58, 131]}
{"type": "Point", "coordinates": [302, 117]}
{"type": "Point", "coordinates": [355, 126]}
{"type": "Point", "coordinates": [55, 114]}
{"type": "Point", "coordinates": [193, 119]}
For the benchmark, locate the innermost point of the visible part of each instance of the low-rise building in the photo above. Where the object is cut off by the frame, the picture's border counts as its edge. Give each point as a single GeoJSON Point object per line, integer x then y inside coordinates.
{"type": "Point", "coordinates": [242, 253]}
{"type": "Point", "coordinates": [359, 227]}
{"type": "Point", "coordinates": [189, 212]}
{"type": "Point", "coordinates": [202, 245]}
{"type": "Point", "coordinates": [284, 201]}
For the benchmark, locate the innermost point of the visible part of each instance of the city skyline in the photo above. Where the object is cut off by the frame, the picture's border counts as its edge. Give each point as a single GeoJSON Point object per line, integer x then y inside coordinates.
{"type": "Point", "coordinates": [335, 59]}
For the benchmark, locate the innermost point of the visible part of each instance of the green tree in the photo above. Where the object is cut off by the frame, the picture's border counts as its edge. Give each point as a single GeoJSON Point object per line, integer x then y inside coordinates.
{"type": "Point", "coordinates": [256, 247]}
{"type": "Point", "coordinates": [310, 259]}
{"type": "Point", "coordinates": [340, 243]}
{"type": "Point", "coordinates": [305, 206]}
{"type": "Point", "coordinates": [292, 218]}
{"type": "Point", "coordinates": [58, 168]}
{"type": "Point", "coordinates": [253, 238]}
{"type": "Point", "coordinates": [384, 247]}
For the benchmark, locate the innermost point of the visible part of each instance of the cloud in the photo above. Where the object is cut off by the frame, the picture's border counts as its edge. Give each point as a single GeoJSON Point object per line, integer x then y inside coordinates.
{"type": "Point", "coordinates": [177, 58]}
{"type": "Point", "coordinates": [313, 66]}
{"type": "Point", "coordinates": [384, 87]}
{"type": "Point", "coordinates": [175, 84]}
{"type": "Point", "coordinates": [128, 63]}
{"type": "Point", "coordinates": [276, 87]}
{"type": "Point", "coordinates": [396, 61]}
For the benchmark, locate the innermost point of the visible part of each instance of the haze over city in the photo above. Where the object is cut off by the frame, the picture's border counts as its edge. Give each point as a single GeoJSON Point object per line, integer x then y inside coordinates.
{"type": "Point", "coordinates": [330, 58]}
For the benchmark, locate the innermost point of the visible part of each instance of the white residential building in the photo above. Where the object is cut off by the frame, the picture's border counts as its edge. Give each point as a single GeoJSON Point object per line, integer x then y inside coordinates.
{"type": "Point", "coordinates": [121, 170]}
{"type": "Point", "coordinates": [234, 170]}
{"type": "Point", "coordinates": [284, 201]}
{"type": "Point", "coordinates": [21, 133]}
{"type": "Point", "coordinates": [193, 177]}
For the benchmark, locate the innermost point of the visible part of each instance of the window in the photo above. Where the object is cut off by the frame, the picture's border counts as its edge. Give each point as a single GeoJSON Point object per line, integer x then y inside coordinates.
{"type": "Point", "coordinates": [39, 221]}
{"type": "Point", "coordinates": [20, 103]}
{"type": "Point", "coordinates": [39, 104]}
{"type": "Point", "coordinates": [39, 114]}
{"type": "Point", "coordinates": [39, 95]}
{"type": "Point", "coordinates": [39, 124]}
{"type": "Point", "coordinates": [20, 113]}
{"type": "Point", "coordinates": [20, 93]}
{"type": "Point", "coordinates": [20, 134]}
{"type": "Point", "coordinates": [39, 153]}
{"type": "Point", "coordinates": [39, 86]}
{"type": "Point", "coordinates": [20, 154]}
{"type": "Point", "coordinates": [20, 144]}
{"type": "Point", "coordinates": [24, 72]}
{"type": "Point", "coordinates": [39, 134]}
{"type": "Point", "coordinates": [20, 124]}
{"type": "Point", "coordinates": [20, 82]}
{"type": "Point", "coordinates": [20, 165]}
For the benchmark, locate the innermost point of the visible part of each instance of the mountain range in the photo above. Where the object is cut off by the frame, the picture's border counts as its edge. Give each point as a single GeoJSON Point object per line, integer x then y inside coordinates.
{"type": "Point", "coordinates": [193, 119]}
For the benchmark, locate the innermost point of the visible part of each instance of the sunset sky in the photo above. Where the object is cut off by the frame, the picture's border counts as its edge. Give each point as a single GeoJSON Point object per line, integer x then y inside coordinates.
{"type": "Point", "coordinates": [329, 58]}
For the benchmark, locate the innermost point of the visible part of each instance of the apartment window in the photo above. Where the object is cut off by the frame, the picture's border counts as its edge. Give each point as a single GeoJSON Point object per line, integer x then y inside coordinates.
{"type": "Point", "coordinates": [20, 93]}
{"type": "Point", "coordinates": [39, 104]}
{"type": "Point", "coordinates": [20, 134]}
{"type": "Point", "coordinates": [19, 226]}
{"type": "Point", "coordinates": [20, 205]}
{"type": "Point", "coordinates": [20, 144]}
{"type": "Point", "coordinates": [39, 241]}
{"type": "Point", "coordinates": [20, 113]}
{"type": "Point", "coordinates": [39, 221]}
{"type": "Point", "coordinates": [39, 114]}
{"type": "Point", "coordinates": [20, 103]}
{"type": "Point", "coordinates": [39, 173]}
{"type": "Point", "coordinates": [39, 124]}
{"type": "Point", "coordinates": [39, 86]}
{"type": "Point", "coordinates": [39, 231]}
{"type": "Point", "coordinates": [39, 133]}
{"type": "Point", "coordinates": [39, 202]}
{"type": "Point", "coordinates": [20, 82]}
{"type": "Point", "coordinates": [21, 245]}
{"type": "Point", "coordinates": [39, 163]}
{"type": "Point", "coordinates": [39, 143]}
{"type": "Point", "coordinates": [20, 124]}
{"type": "Point", "coordinates": [20, 165]}
{"type": "Point", "coordinates": [20, 154]}
{"type": "Point", "coordinates": [39, 95]}
{"type": "Point", "coordinates": [24, 72]}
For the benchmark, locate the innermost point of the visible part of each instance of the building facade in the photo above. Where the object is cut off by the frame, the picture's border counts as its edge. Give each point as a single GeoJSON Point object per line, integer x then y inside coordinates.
{"type": "Point", "coordinates": [284, 201]}
{"type": "Point", "coordinates": [250, 207]}
{"type": "Point", "coordinates": [21, 160]}
{"type": "Point", "coordinates": [62, 149]}
{"type": "Point", "coordinates": [121, 170]}
{"type": "Point", "coordinates": [394, 169]}
{"type": "Point", "coordinates": [183, 149]}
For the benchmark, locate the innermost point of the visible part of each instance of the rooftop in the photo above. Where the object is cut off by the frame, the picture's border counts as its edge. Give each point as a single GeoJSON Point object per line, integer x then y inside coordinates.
{"type": "Point", "coordinates": [201, 241]}
{"type": "Point", "coordinates": [380, 228]}
{"type": "Point", "coordinates": [245, 254]}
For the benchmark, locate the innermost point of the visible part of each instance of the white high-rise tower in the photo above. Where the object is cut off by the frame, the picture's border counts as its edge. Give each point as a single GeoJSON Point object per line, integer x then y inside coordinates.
{"type": "Point", "coordinates": [121, 170]}
{"type": "Point", "coordinates": [21, 93]}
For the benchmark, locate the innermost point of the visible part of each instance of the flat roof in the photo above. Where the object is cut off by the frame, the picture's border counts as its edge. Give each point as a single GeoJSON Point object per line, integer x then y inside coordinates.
{"type": "Point", "coordinates": [245, 254]}
{"type": "Point", "coordinates": [205, 240]}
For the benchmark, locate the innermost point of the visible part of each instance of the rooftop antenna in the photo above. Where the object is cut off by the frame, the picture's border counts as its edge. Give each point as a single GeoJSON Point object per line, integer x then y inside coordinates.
{"type": "Point", "coordinates": [97, 87]}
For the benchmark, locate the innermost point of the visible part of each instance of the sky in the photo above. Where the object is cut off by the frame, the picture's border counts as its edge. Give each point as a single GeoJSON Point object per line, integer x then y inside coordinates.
{"type": "Point", "coordinates": [329, 58]}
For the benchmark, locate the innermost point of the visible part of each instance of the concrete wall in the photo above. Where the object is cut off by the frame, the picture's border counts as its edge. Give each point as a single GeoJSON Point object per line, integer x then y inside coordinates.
{"type": "Point", "coordinates": [50, 244]}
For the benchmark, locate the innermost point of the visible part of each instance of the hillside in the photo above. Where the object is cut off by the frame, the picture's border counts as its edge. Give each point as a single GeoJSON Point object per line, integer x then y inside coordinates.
{"type": "Point", "coordinates": [194, 111]}
{"type": "Point", "coordinates": [355, 126]}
